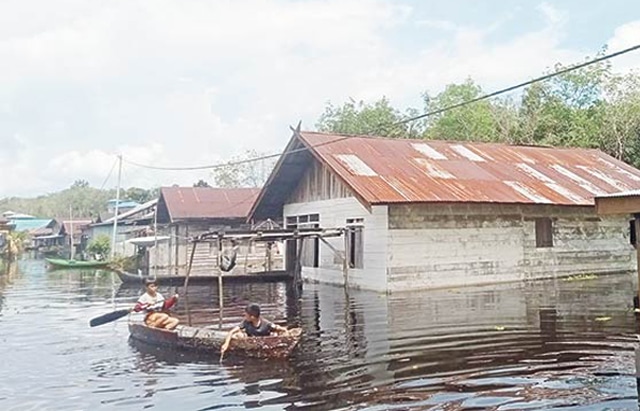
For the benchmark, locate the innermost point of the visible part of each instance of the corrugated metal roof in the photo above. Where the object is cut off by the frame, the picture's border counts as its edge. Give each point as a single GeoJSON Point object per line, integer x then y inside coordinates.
{"type": "Point", "coordinates": [383, 170]}
{"type": "Point", "coordinates": [33, 224]}
{"type": "Point", "coordinates": [208, 203]}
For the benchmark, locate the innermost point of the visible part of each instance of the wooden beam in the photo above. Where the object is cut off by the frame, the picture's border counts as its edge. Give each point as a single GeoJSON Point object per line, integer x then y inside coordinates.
{"type": "Point", "coordinates": [617, 205]}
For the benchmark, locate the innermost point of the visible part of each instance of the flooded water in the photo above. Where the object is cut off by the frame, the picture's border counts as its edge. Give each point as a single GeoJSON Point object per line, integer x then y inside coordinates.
{"type": "Point", "coordinates": [559, 344]}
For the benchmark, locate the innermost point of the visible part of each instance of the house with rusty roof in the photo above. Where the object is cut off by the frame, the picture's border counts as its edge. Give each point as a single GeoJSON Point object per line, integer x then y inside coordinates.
{"type": "Point", "coordinates": [428, 214]}
{"type": "Point", "coordinates": [186, 212]}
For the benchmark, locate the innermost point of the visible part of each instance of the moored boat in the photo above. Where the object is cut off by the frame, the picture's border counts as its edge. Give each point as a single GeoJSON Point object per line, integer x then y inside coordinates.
{"type": "Point", "coordinates": [62, 263]}
{"type": "Point", "coordinates": [269, 276]}
{"type": "Point", "coordinates": [208, 340]}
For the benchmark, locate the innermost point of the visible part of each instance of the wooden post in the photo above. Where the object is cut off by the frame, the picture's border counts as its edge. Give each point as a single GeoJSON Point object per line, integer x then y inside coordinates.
{"type": "Point", "coordinates": [637, 227]}
{"type": "Point", "coordinates": [193, 253]}
{"type": "Point", "coordinates": [220, 293]}
{"type": "Point", "coordinates": [297, 275]}
{"type": "Point", "coordinates": [347, 254]}
{"type": "Point", "coordinates": [269, 244]}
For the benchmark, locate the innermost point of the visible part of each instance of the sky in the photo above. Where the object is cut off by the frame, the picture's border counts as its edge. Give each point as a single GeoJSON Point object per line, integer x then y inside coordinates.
{"type": "Point", "coordinates": [195, 82]}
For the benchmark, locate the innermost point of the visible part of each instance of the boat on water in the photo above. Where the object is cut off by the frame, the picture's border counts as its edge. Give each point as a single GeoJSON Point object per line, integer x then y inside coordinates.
{"type": "Point", "coordinates": [209, 340]}
{"type": "Point", "coordinates": [267, 276]}
{"type": "Point", "coordinates": [63, 263]}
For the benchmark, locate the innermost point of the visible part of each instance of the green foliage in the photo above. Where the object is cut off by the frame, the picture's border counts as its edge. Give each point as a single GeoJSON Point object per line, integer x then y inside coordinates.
{"type": "Point", "coordinates": [591, 107]}
{"type": "Point", "coordinates": [100, 245]}
{"type": "Point", "coordinates": [85, 201]}
{"type": "Point", "coordinates": [16, 241]}
{"type": "Point", "coordinates": [201, 183]}
{"type": "Point", "coordinates": [244, 174]}
{"type": "Point", "coordinates": [379, 119]}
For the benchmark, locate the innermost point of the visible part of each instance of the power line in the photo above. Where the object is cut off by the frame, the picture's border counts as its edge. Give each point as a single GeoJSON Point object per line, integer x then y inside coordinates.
{"type": "Point", "coordinates": [517, 86]}
{"type": "Point", "coordinates": [108, 175]}
{"type": "Point", "coordinates": [234, 163]}
{"type": "Point", "coordinates": [407, 120]}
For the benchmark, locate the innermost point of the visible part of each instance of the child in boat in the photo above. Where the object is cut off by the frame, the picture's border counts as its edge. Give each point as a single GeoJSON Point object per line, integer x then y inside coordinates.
{"type": "Point", "coordinates": [156, 307]}
{"type": "Point", "coordinates": [252, 326]}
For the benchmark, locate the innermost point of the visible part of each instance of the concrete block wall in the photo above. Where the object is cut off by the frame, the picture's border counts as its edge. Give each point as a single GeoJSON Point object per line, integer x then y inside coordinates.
{"type": "Point", "coordinates": [433, 246]}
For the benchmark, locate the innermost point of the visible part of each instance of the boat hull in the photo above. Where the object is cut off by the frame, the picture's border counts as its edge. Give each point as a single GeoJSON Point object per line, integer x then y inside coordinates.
{"type": "Point", "coordinates": [60, 263]}
{"type": "Point", "coordinates": [207, 340]}
{"type": "Point", "coordinates": [266, 277]}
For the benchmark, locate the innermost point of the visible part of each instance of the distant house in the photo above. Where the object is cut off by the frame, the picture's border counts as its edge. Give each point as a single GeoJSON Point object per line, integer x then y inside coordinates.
{"type": "Point", "coordinates": [129, 224]}
{"type": "Point", "coordinates": [74, 230]}
{"type": "Point", "coordinates": [428, 214]}
{"type": "Point", "coordinates": [43, 232]}
{"type": "Point", "coordinates": [185, 212]}
{"type": "Point", "coordinates": [123, 206]}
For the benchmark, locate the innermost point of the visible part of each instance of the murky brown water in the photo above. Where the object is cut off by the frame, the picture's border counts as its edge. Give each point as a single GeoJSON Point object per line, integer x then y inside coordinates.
{"type": "Point", "coordinates": [559, 344]}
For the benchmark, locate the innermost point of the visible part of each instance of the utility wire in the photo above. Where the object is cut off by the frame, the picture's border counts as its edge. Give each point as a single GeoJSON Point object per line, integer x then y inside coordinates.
{"type": "Point", "coordinates": [238, 162]}
{"type": "Point", "coordinates": [517, 86]}
{"type": "Point", "coordinates": [108, 175]}
{"type": "Point", "coordinates": [407, 120]}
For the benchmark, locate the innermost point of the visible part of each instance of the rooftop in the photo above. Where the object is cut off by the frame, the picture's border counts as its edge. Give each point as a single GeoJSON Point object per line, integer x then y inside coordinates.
{"type": "Point", "coordinates": [385, 171]}
{"type": "Point", "coordinates": [185, 203]}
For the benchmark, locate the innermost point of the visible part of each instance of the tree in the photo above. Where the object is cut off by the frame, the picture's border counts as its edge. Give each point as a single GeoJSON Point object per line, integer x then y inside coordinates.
{"type": "Point", "coordinates": [201, 183]}
{"type": "Point", "coordinates": [100, 246]}
{"type": "Point", "coordinates": [80, 184]}
{"type": "Point", "coordinates": [244, 171]}
{"type": "Point", "coordinates": [379, 119]}
{"type": "Point", "coordinates": [481, 121]}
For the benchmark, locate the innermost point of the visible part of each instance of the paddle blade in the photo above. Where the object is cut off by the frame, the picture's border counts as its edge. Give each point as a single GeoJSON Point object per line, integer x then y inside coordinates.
{"type": "Point", "coordinates": [107, 318]}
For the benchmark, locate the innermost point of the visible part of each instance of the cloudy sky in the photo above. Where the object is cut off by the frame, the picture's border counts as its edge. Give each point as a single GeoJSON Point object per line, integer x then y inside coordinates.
{"type": "Point", "coordinates": [191, 82]}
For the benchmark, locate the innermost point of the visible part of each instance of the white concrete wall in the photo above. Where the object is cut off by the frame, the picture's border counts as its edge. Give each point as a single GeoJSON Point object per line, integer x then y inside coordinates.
{"type": "Point", "coordinates": [433, 246]}
{"type": "Point", "coordinates": [334, 214]}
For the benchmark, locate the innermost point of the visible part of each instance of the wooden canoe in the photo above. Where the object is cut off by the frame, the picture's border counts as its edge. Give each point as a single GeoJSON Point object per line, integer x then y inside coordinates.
{"type": "Point", "coordinates": [266, 277]}
{"type": "Point", "coordinates": [208, 340]}
{"type": "Point", "coordinates": [62, 263]}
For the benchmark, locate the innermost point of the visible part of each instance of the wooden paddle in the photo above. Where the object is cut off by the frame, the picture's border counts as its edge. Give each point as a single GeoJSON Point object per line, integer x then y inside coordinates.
{"type": "Point", "coordinates": [107, 318]}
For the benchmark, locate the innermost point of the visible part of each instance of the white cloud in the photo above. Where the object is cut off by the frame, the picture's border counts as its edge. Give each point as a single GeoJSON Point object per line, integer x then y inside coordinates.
{"type": "Point", "coordinates": [626, 36]}
{"type": "Point", "coordinates": [194, 82]}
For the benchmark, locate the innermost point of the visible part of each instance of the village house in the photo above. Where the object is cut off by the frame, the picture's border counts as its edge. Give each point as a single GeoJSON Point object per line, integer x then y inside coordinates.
{"type": "Point", "coordinates": [430, 214]}
{"type": "Point", "coordinates": [186, 212]}
{"type": "Point", "coordinates": [130, 223]}
{"type": "Point", "coordinates": [73, 232]}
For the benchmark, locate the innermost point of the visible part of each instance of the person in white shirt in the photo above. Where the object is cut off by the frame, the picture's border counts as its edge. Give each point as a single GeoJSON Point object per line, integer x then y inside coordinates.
{"type": "Point", "coordinates": [156, 307]}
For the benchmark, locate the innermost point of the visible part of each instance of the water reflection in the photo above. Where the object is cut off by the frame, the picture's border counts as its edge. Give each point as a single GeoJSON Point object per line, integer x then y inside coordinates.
{"type": "Point", "coordinates": [564, 344]}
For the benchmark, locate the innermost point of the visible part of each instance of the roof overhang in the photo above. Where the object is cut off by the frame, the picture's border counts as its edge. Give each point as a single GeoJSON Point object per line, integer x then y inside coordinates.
{"type": "Point", "coordinates": [627, 202]}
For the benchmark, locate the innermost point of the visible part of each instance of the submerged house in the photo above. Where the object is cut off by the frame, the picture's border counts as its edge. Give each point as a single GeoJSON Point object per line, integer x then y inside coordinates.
{"type": "Point", "coordinates": [186, 212]}
{"type": "Point", "coordinates": [429, 214]}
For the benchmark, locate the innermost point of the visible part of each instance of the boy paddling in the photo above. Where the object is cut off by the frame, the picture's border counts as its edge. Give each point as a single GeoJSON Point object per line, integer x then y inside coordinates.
{"type": "Point", "coordinates": [252, 326]}
{"type": "Point", "coordinates": [156, 307]}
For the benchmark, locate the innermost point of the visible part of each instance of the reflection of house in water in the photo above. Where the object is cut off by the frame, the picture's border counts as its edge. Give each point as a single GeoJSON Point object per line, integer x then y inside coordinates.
{"type": "Point", "coordinates": [418, 344]}
{"type": "Point", "coordinates": [428, 214]}
{"type": "Point", "coordinates": [186, 212]}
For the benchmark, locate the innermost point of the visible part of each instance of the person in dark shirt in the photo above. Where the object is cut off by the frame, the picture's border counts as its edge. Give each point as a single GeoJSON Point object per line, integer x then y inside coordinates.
{"type": "Point", "coordinates": [252, 326]}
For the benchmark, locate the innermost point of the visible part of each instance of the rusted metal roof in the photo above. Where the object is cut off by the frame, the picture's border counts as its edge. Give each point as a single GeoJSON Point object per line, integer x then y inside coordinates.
{"type": "Point", "coordinates": [184, 203]}
{"type": "Point", "coordinates": [382, 170]}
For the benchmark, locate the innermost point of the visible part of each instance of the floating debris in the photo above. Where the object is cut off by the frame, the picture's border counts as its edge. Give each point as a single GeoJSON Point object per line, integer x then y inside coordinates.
{"type": "Point", "coordinates": [602, 319]}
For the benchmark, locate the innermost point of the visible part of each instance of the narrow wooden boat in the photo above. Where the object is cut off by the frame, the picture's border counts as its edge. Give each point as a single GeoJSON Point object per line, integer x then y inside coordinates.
{"type": "Point", "coordinates": [266, 277]}
{"type": "Point", "coordinates": [208, 340]}
{"type": "Point", "coordinates": [62, 263]}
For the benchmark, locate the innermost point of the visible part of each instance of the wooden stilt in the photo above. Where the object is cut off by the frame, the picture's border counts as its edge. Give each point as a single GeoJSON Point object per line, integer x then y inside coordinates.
{"type": "Point", "coordinates": [297, 275]}
{"type": "Point", "coordinates": [345, 262]}
{"type": "Point", "coordinates": [220, 291]}
{"type": "Point", "coordinates": [269, 245]}
{"type": "Point", "coordinates": [193, 253]}
{"type": "Point", "coordinates": [637, 227]}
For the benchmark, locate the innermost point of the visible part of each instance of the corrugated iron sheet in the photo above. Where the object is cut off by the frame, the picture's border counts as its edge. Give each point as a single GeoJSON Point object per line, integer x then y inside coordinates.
{"type": "Point", "coordinates": [208, 203]}
{"type": "Point", "coordinates": [439, 171]}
